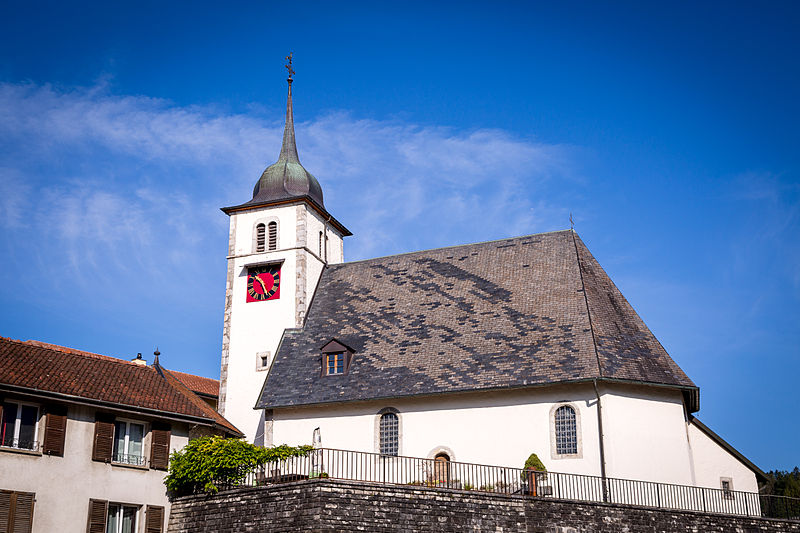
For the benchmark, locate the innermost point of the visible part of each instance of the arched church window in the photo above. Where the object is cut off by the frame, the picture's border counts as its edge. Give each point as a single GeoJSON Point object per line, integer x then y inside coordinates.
{"type": "Point", "coordinates": [389, 434]}
{"type": "Point", "coordinates": [566, 430]}
{"type": "Point", "coordinates": [273, 235]}
{"type": "Point", "coordinates": [260, 237]}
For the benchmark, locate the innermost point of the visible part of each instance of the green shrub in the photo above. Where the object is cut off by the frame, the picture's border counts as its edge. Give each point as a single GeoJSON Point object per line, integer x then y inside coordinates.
{"type": "Point", "coordinates": [535, 463]}
{"type": "Point", "coordinates": [209, 460]}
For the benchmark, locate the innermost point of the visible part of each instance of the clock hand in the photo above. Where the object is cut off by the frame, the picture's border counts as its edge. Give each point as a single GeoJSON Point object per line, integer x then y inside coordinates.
{"type": "Point", "coordinates": [262, 284]}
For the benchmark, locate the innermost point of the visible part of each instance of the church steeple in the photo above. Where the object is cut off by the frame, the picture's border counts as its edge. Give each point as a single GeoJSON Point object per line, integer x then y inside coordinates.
{"type": "Point", "coordinates": [286, 178]}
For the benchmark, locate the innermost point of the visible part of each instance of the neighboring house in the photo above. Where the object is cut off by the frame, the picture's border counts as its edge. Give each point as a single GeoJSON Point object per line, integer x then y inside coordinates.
{"type": "Point", "coordinates": [85, 439]}
{"type": "Point", "coordinates": [480, 353]}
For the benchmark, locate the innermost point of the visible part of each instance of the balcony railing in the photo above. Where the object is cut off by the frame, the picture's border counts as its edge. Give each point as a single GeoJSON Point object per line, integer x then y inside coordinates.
{"type": "Point", "coordinates": [121, 458]}
{"type": "Point", "coordinates": [415, 471]}
{"type": "Point", "coordinates": [20, 444]}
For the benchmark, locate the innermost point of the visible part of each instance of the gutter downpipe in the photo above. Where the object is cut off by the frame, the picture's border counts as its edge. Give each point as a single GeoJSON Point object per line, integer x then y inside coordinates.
{"type": "Point", "coordinates": [603, 478]}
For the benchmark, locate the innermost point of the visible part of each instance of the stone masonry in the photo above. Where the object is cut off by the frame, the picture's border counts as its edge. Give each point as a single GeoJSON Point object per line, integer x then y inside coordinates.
{"type": "Point", "coordinates": [325, 505]}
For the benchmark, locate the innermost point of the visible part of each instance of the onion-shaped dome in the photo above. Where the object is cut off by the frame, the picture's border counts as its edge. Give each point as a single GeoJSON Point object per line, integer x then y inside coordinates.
{"type": "Point", "coordinates": [287, 178]}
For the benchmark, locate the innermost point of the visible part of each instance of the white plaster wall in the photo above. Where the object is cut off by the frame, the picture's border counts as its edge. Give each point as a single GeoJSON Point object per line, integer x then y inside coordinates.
{"type": "Point", "coordinates": [712, 462]}
{"type": "Point", "coordinates": [490, 428]}
{"type": "Point", "coordinates": [645, 434]}
{"type": "Point", "coordinates": [257, 327]}
{"type": "Point", "coordinates": [64, 485]}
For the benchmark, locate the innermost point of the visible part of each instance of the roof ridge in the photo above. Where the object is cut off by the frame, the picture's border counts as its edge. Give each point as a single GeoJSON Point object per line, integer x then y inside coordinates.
{"type": "Point", "coordinates": [427, 250]}
{"type": "Point", "coordinates": [71, 351]}
{"type": "Point", "coordinates": [586, 301]}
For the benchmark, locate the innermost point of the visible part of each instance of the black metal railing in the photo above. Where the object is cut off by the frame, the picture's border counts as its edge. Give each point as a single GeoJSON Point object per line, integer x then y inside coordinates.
{"type": "Point", "coordinates": [20, 444]}
{"type": "Point", "coordinates": [417, 471]}
{"type": "Point", "coordinates": [128, 459]}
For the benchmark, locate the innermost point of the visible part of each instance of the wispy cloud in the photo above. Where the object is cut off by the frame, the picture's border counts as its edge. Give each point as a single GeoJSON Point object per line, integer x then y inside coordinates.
{"type": "Point", "coordinates": [108, 186]}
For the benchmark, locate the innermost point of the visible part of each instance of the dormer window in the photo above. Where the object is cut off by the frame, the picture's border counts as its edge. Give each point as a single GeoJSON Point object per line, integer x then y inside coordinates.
{"type": "Point", "coordinates": [334, 363]}
{"type": "Point", "coordinates": [336, 358]}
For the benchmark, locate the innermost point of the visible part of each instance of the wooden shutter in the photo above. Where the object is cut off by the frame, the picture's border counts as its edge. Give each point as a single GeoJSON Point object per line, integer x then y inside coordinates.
{"type": "Point", "coordinates": [103, 447]}
{"type": "Point", "coordinates": [159, 446]}
{"type": "Point", "coordinates": [5, 510]}
{"type": "Point", "coordinates": [154, 520]}
{"type": "Point", "coordinates": [98, 511]}
{"type": "Point", "coordinates": [23, 513]}
{"type": "Point", "coordinates": [55, 431]}
{"type": "Point", "coordinates": [16, 512]}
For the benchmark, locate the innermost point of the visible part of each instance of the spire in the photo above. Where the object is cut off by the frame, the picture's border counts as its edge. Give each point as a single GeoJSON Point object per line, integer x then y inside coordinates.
{"type": "Point", "coordinates": [286, 178]}
{"type": "Point", "coordinates": [289, 147]}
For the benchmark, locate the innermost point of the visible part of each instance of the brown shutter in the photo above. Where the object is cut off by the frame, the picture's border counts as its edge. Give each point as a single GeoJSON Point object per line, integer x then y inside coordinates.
{"type": "Point", "coordinates": [154, 521]}
{"type": "Point", "coordinates": [98, 511]}
{"type": "Point", "coordinates": [5, 510]}
{"type": "Point", "coordinates": [159, 447]}
{"type": "Point", "coordinates": [55, 431]}
{"type": "Point", "coordinates": [23, 513]}
{"type": "Point", "coordinates": [103, 447]}
{"type": "Point", "coordinates": [16, 512]}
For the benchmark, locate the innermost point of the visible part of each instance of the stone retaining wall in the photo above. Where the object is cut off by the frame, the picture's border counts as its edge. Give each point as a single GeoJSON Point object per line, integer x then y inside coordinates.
{"type": "Point", "coordinates": [325, 505]}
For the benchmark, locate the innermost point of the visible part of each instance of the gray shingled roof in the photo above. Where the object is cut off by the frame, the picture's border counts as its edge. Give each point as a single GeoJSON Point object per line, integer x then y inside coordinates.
{"type": "Point", "coordinates": [493, 315]}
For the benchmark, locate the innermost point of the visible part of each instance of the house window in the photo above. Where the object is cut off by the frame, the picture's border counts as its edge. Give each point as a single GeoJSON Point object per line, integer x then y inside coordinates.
{"type": "Point", "coordinates": [727, 487]}
{"type": "Point", "coordinates": [273, 235]}
{"type": "Point", "coordinates": [260, 237]}
{"type": "Point", "coordinates": [566, 431]}
{"type": "Point", "coordinates": [128, 437]}
{"type": "Point", "coordinates": [20, 426]}
{"type": "Point", "coordinates": [121, 518]}
{"type": "Point", "coordinates": [389, 434]}
{"type": "Point", "coordinates": [334, 363]}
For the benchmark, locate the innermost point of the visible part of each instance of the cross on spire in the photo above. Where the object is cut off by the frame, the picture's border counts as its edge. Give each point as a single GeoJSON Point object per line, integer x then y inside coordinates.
{"type": "Point", "coordinates": [289, 66]}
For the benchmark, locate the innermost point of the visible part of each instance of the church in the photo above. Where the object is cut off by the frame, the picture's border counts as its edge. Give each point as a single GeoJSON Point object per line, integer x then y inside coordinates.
{"type": "Point", "coordinates": [481, 353]}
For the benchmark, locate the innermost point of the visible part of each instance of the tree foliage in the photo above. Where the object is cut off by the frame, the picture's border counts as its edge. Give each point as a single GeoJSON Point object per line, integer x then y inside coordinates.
{"type": "Point", "coordinates": [533, 462]}
{"type": "Point", "coordinates": [783, 483]}
{"type": "Point", "coordinates": [208, 461]}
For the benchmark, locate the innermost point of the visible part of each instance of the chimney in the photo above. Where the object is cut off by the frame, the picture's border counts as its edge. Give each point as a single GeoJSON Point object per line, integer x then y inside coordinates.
{"type": "Point", "coordinates": [138, 360]}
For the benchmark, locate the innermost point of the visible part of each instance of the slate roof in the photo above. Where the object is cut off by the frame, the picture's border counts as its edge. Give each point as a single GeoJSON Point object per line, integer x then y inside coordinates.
{"type": "Point", "coordinates": [513, 313]}
{"type": "Point", "coordinates": [46, 369]}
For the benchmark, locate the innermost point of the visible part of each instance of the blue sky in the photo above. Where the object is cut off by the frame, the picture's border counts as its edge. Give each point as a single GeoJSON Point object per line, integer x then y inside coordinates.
{"type": "Point", "coordinates": [669, 131]}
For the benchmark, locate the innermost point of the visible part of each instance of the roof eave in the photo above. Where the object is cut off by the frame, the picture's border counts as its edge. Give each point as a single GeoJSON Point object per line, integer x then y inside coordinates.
{"type": "Point", "coordinates": [684, 389]}
{"type": "Point", "coordinates": [729, 448]}
{"type": "Point", "coordinates": [283, 201]}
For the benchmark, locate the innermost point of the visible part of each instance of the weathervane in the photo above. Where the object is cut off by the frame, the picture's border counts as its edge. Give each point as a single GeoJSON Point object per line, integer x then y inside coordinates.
{"type": "Point", "coordinates": [571, 223]}
{"type": "Point", "coordinates": [289, 67]}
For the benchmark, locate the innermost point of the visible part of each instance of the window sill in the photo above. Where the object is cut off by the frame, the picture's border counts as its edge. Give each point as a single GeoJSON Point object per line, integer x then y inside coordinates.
{"type": "Point", "coordinates": [134, 467]}
{"type": "Point", "coordinates": [21, 451]}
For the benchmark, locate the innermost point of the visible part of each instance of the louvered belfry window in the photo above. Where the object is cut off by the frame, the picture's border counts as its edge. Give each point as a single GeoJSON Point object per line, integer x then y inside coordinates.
{"type": "Point", "coordinates": [566, 430]}
{"type": "Point", "coordinates": [389, 434]}
{"type": "Point", "coordinates": [273, 235]}
{"type": "Point", "coordinates": [260, 237]}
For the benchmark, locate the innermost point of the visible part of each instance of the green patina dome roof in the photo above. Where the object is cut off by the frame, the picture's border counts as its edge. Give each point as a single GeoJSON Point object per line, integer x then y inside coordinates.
{"type": "Point", "coordinates": [286, 178]}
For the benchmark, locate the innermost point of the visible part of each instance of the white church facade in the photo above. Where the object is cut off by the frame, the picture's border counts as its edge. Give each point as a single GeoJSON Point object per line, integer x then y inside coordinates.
{"type": "Point", "coordinates": [481, 353]}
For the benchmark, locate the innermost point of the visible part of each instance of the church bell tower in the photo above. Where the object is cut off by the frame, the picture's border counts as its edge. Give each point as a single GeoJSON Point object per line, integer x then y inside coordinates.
{"type": "Point", "coordinates": [279, 244]}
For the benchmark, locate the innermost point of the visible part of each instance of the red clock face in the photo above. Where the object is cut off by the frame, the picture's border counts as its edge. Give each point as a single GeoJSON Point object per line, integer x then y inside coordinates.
{"type": "Point", "coordinates": [264, 283]}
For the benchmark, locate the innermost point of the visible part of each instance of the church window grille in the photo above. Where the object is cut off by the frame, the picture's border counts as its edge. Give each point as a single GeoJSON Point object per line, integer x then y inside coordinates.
{"type": "Point", "coordinates": [389, 434]}
{"type": "Point", "coordinates": [273, 235]}
{"type": "Point", "coordinates": [566, 431]}
{"type": "Point", "coordinates": [260, 237]}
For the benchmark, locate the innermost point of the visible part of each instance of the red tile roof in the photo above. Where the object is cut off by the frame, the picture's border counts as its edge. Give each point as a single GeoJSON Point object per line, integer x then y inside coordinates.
{"type": "Point", "coordinates": [47, 368]}
{"type": "Point", "coordinates": [198, 384]}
